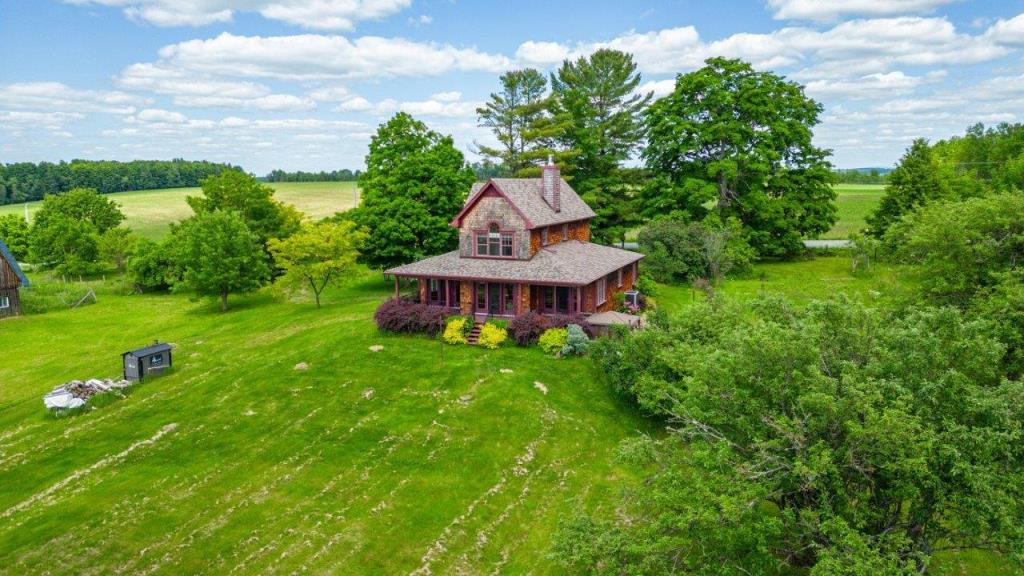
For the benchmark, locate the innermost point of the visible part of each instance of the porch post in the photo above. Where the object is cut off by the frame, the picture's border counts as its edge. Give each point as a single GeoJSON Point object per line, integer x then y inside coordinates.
{"type": "Point", "coordinates": [579, 300]}
{"type": "Point", "coordinates": [396, 288]}
{"type": "Point", "coordinates": [447, 295]}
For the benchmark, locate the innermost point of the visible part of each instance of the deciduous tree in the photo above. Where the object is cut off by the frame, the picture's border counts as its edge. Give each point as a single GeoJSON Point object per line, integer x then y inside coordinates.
{"type": "Point", "coordinates": [219, 255]}
{"type": "Point", "coordinates": [242, 193]}
{"type": "Point", "coordinates": [917, 181]}
{"type": "Point", "coordinates": [415, 181]}
{"type": "Point", "coordinates": [737, 141]}
{"type": "Point", "coordinates": [14, 231]}
{"type": "Point", "coordinates": [317, 256]}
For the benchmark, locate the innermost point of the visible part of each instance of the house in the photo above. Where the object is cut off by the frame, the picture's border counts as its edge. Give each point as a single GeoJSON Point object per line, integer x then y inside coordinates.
{"type": "Point", "coordinates": [524, 244]}
{"type": "Point", "coordinates": [11, 279]}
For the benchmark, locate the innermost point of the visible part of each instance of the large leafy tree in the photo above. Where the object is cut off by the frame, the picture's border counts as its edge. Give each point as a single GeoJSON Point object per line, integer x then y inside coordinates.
{"type": "Point", "coordinates": [520, 119]}
{"type": "Point", "coordinates": [738, 141]}
{"type": "Point", "coordinates": [317, 256]}
{"type": "Point", "coordinates": [834, 440]}
{"type": "Point", "coordinates": [240, 192]}
{"type": "Point", "coordinates": [14, 231]}
{"type": "Point", "coordinates": [66, 230]}
{"type": "Point", "coordinates": [415, 181]}
{"type": "Point", "coordinates": [219, 255]}
{"type": "Point", "coordinates": [916, 181]}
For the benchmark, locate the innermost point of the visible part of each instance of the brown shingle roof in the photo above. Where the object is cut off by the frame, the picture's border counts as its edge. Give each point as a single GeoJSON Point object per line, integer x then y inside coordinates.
{"type": "Point", "coordinates": [572, 262]}
{"type": "Point", "coordinates": [525, 194]}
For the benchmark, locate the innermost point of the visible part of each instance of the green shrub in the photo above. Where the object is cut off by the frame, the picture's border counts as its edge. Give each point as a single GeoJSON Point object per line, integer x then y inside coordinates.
{"type": "Point", "coordinates": [646, 285]}
{"type": "Point", "coordinates": [454, 331]}
{"type": "Point", "coordinates": [553, 340]}
{"type": "Point", "coordinates": [492, 336]}
{"type": "Point", "coordinates": [576, 341]}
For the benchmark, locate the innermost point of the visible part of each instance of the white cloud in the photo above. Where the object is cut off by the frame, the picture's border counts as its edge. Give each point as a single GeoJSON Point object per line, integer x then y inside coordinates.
{"type": "Point", "coordinates": [870, 86]}
{"type": "Point", "coordinates": [545, 54]}
{"type": "Point", "coordinates": [314, 14]}
{"type": "Point", "coordinates": [832, 9]}
{"type": "Point", "coordinates": [658, 87]}
{"type": "Point", "coordinates": [204, 91]}
{"type": "Point", "coordinates": [157, 115]}
{"type": "Point", "coordinates": [55, 96]}
{"type": "Point", "coordinates": [1008, 32]}
{"type": "Point", "coordinates": [319, 57]}
{"type": "Point", "coordinates": [442, 104]}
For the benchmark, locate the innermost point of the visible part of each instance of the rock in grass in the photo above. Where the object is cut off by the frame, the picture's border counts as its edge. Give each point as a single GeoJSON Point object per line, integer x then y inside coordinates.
{"type": "Point", "coordinates": [541, 387]}
{"type": "Point", "coordinates": [302, 366]}
{"type": "Point", "coordinates": [376, 348]}
{"type": "Point", "coordinates": [465, 398]}
{"type": "Point", "coordinates": [368, 394]}
{"type": "Point", "coordinates": [505, 370]}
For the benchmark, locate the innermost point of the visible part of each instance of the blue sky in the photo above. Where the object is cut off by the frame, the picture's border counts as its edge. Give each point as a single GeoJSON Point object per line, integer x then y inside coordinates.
{"type": "Point", "coordinates": [302, 84]}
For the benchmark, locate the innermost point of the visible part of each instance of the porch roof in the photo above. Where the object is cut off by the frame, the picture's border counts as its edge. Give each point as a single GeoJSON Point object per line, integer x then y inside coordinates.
{"type": "Point", "coordinates": [573, 263]}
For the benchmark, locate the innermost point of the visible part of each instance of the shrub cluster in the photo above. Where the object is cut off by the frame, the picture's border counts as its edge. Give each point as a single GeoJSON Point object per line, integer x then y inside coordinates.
{"type": "Point", "coordinates": [553, 340]}
{"type": "Point", "coordinates": [492, 336]}
{"type": "Point", "coordinates": [455, 331]}
{"type": "Point", "coordinates": [527, 328]}
{"type": "Point", "coordinates": [404, 316]}
{"type": "Point", "coordinates": [576, 341]}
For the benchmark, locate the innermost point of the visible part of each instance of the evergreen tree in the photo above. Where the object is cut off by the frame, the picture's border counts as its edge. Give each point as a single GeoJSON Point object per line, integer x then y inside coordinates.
{"type": "Point", "coordinates": [915, 182]}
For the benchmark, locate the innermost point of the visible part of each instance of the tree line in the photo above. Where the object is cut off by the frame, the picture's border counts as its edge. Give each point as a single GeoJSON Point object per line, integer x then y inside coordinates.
{"type": "Point", "coordinates": [27, 181]}
{"type": "Point", "coordinates": [343, 175]}
{"type": "Point", "coordinates": [862, 176]}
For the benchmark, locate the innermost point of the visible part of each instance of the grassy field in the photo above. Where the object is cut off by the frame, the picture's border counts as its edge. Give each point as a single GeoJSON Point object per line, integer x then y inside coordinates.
{"type": "Point", "coordinates": [150, 212]}
{"type": "Point", "coordinates": [420, 458]}
{"type": "Point", "coordinates": [855, 202]}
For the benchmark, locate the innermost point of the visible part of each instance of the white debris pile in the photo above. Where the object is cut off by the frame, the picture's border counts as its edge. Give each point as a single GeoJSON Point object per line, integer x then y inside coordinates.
{"type": "Point", "coordinates": [76, 392]}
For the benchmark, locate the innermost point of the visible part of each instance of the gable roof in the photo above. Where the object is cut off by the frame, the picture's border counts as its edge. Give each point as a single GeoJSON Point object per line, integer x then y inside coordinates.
{"type": "Point", "coordinates": [571, 262]}
{"type": "Point", "coordinates": [525, 196]}
{"type": "Point", "coordinates": [5, 253]}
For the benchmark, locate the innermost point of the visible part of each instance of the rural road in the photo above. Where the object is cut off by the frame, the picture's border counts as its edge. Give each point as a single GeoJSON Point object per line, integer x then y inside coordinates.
{"type": "Point", "coordinates": [808, 243]}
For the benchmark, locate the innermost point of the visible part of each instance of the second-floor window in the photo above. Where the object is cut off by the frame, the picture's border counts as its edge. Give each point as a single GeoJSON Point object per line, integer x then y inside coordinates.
{"type": "Point", "coordinates": [494, 242]}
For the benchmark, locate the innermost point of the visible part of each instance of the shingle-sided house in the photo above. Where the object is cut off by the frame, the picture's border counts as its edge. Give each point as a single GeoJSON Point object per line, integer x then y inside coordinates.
{"type": "Point", "coordinates": [11, 279]}
{"type": "Point", "coordinates": [524, 244]}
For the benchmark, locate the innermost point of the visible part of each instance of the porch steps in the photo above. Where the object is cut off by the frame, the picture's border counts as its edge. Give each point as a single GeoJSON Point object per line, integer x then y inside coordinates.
{"type": "Point", "coordinates": [474, 334]}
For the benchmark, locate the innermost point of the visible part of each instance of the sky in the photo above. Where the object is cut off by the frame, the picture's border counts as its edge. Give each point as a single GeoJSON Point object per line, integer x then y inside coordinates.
{"type": "Point", "coordinates": [303, 84]}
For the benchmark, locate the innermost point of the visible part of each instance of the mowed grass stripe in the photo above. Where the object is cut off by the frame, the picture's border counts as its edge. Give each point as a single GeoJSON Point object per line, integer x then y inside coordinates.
{"type": "Point", "coordinates": [233, 488]}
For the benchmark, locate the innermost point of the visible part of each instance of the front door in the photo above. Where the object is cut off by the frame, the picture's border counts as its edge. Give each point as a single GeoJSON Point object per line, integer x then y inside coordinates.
{"type": "Point", "coordinates": [494, 299]}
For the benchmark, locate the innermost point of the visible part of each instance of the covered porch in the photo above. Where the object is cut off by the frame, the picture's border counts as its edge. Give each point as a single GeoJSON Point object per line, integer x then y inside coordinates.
{"type": "Point", "coordinates": [487, 298]}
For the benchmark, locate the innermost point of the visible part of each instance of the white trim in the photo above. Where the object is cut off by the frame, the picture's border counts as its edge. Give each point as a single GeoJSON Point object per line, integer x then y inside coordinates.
{"type": "Point", "coordinates": [602, 291]}
{"type": "Point", "coordinates": [5, 302]}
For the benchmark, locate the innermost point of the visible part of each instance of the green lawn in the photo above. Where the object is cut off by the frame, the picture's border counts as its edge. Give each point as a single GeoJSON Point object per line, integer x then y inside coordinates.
{"type": "Point", "coordinates": [420, 455]}
{"type": "Point", "coordinates": [855, 203]}
{"type": "Point", "coordinates": [150, 212]}
{"type": "Point", "coordinates": [366, 463]}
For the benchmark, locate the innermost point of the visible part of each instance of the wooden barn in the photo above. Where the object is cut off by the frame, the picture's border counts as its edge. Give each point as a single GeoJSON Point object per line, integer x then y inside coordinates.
{"type": "Point", "coordinates": [11, 280]}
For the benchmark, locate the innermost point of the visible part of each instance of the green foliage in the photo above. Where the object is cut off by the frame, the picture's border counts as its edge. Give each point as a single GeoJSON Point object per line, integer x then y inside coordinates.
{"type": "Point", "coordinates": [553, 340]}
{"type": "Point", "coordinates": [917, 181]}
{"type": "Point", "coordinates": [576, 341]}
{"type": "Point", "coordinates": [596, 99]}
{"type": "Point", "coordinates": [343, 175]}
{"type": "Point", "coordinates": [66, 244]}
{"type": "Point", "coordinates": [153, 266]}
{"type": "Point", "coordinates": [491, 336]}
{"type": "Point", "coordinates": [836, 439]}
{"type": "Point", "coordinates": [455, 330]}
{"type": "Point", "coordinates": [1002, 306]}
{"type": "Point", "coordinates": [645, 284]}
{"type": "Point", "coordinates": [862, 176]}
{"type": "Point", "coordinates": [25, 181]}
{"type": "Point", "coordinates": [518, 116]}
{"type": "Point", "coordinates": [14, 232]}
{"type": "Point", "coordinates": [740, 140]}
{"type": "Point", "coordinates": [316, 256]}
{"type": "Point", "coordinates": [82, 204]}
{"type": "Point", "coordinates": [237, 191]}
{"type": "Point", "coordinates": [678, 251]}
{"type": "Point", "coordinates": [415, 182]}
{"type": "Point", "coordinates": [961, 247]}
{"type": "Point", "coordinates": [219, 255]}
{"type": "Point", "coordinates": [116, 246]}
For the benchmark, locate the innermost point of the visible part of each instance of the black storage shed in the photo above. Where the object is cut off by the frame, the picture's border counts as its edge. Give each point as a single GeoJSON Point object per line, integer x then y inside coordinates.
{"type": "Point", "coordinates": [149, 360]}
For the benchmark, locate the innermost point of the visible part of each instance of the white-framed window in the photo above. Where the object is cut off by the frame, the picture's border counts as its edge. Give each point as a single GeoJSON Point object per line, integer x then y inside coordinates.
{"type": "Point", "coordinates": [5, 302]}
{"type": "Point", "coordinates": [620, 278]}
{"type": "Point", "coordinates": [602, 291]}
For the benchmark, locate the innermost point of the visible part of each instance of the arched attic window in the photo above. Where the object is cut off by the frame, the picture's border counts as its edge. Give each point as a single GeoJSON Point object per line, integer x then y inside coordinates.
{"type": "Point", "coordinates": [494, 242]}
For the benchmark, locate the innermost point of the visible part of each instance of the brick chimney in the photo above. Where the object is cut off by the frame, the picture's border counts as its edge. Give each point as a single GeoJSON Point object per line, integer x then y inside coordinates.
{"type": "Point", "coordinates": [550, 185]}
